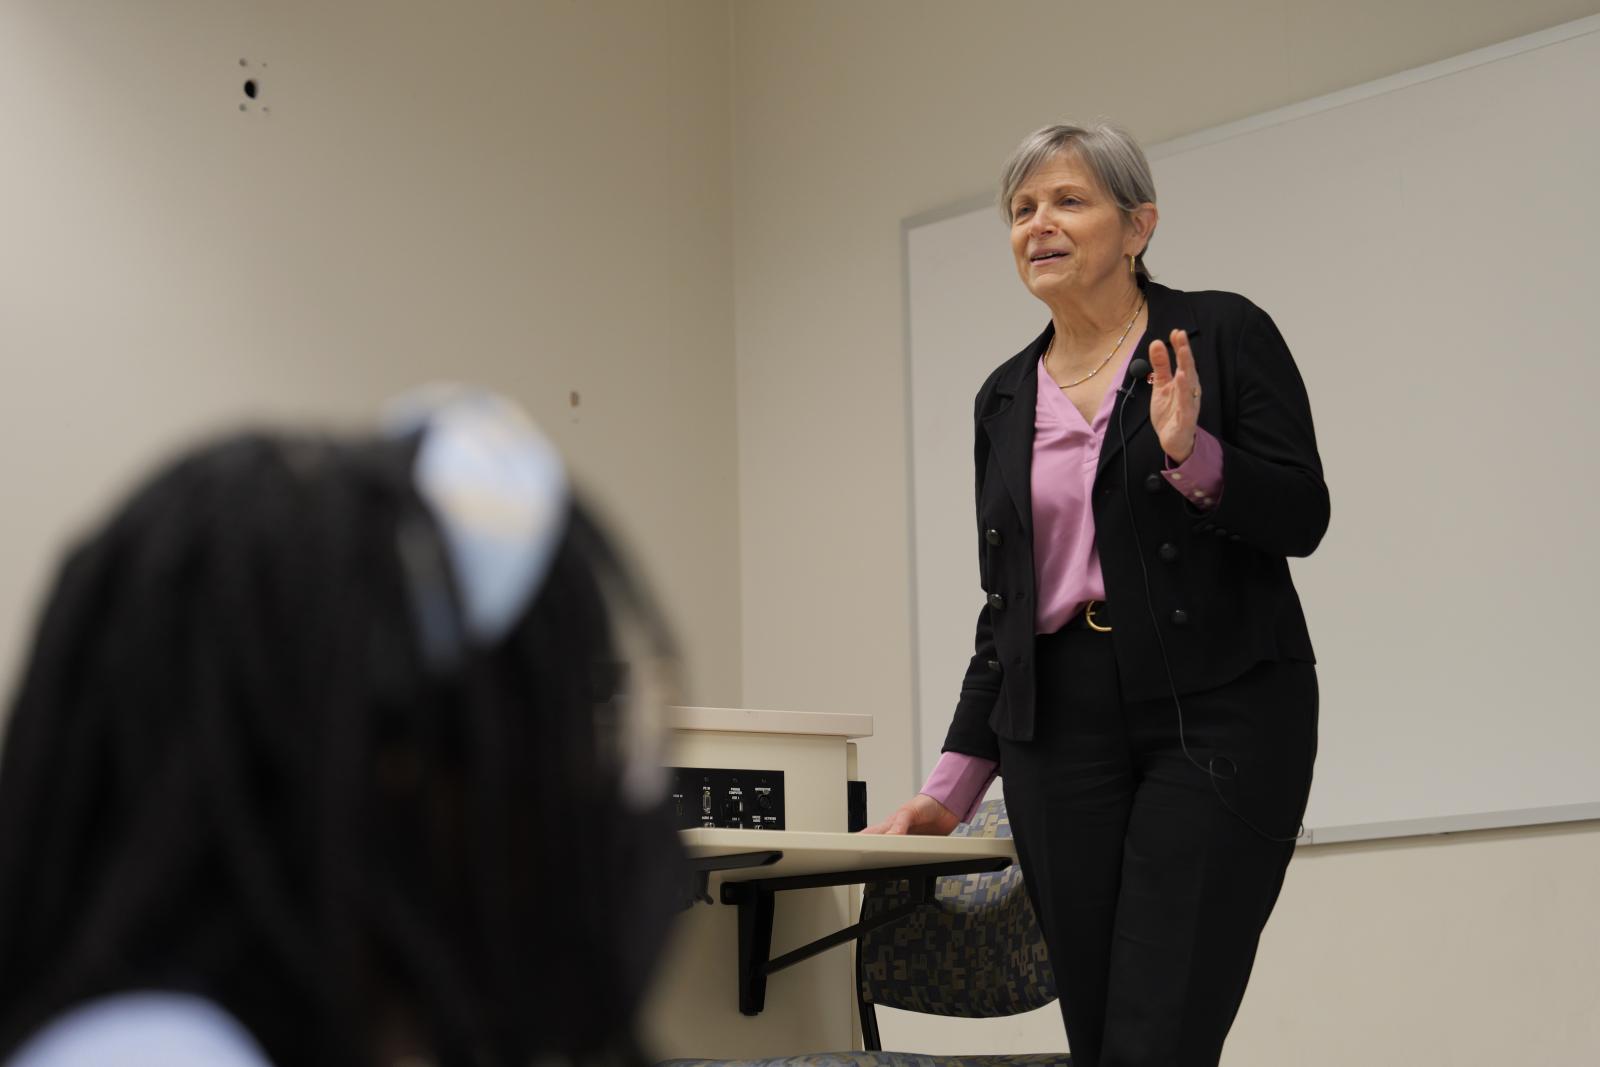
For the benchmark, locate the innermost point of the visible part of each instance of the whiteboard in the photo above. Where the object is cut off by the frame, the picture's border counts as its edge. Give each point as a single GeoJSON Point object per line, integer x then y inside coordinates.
{"type": "Point", "coordinates": [1430, 246]}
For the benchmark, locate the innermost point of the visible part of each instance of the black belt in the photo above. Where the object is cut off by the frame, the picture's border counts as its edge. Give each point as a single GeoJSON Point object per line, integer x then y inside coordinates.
{"type": "Point", "coordinates": [1095, 615]}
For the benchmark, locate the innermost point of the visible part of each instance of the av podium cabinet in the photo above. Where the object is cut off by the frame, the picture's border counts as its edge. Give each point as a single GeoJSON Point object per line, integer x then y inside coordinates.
{"type": "Point", "coordinates": [694, 1008]}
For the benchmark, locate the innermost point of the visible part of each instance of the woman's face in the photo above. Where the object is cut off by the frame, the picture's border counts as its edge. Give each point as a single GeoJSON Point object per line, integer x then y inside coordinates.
{"type": "Point", "coordinates": [1067, 234]}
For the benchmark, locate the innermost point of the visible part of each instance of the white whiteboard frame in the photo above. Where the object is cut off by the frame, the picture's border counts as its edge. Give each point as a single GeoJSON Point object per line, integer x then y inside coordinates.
{"type": "Point", "coordinates": [1328, 102]}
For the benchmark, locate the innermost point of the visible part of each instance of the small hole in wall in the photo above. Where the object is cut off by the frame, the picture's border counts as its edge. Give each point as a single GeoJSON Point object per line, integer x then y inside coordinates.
{"type": "Point", "coordinates": [250, 88]}
{"type": "Point", "coordinates": [573, 399]}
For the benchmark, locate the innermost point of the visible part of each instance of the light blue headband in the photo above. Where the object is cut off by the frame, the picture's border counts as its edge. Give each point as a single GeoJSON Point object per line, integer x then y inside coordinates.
{"type": "Point", "coordinates": [498, 491]}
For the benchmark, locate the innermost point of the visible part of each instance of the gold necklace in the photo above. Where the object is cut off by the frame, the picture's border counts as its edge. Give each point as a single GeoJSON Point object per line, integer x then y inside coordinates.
{"type": "Point", "coordinates": [1109, 354]}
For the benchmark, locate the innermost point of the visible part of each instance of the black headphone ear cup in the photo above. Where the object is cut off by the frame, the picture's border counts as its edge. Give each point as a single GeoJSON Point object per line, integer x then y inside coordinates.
{"type": "Point", "coordinates": [433, 609]}
{"type": "Point", "coordinates": [658, 878]}
{"type": "Point", "coordinates": [650, 880]}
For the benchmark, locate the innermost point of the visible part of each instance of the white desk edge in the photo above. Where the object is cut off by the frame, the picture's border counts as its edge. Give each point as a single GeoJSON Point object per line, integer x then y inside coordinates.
{"type": "Point", "coordinates": [812, 852]}
{"type": "Point", "coordinates": [761, 721]}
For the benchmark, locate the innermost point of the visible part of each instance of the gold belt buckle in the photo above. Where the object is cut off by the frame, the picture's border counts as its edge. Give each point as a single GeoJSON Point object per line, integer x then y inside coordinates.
{"type": "Point", "coordinates": [1088, 617]}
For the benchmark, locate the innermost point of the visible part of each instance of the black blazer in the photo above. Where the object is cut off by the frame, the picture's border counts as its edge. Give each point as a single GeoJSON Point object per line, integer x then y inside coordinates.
{"type": "Point", "coordinates": [1219, 579]}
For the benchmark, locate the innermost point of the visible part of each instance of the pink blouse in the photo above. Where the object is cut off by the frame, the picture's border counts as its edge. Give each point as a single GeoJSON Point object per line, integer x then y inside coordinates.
{"type": "Point", "coordinates": [1066, 562]}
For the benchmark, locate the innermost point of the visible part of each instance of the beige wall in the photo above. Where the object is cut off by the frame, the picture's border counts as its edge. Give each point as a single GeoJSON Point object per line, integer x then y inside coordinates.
{"type": "Point", "coordinates": [531, 196]}
{"type": "Point", "coordinates": [849, 117]}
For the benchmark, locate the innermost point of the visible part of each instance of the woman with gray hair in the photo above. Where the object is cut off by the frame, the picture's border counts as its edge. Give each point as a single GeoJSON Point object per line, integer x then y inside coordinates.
{"type": "Point", "coordinates": [1142, 678]}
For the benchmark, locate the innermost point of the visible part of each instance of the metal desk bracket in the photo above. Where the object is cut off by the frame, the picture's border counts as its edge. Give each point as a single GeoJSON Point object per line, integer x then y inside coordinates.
{"type": "Point", "coordinates": [700, 871]}
{"type": "Point", "coordinates": [756, 901]}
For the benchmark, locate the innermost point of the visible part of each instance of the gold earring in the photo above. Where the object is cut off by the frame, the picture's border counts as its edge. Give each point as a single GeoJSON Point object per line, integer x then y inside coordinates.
{"type": "Point", "coordinates": [1131, 269]}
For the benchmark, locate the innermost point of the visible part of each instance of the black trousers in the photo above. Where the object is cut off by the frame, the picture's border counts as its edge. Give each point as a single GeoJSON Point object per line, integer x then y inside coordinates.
{"type": "Point", "coordinates": [1150, 891]}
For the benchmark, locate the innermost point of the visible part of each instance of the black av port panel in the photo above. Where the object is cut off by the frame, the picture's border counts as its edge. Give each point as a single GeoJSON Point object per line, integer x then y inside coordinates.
{"type": "Point", "coordinates": [729, 799]}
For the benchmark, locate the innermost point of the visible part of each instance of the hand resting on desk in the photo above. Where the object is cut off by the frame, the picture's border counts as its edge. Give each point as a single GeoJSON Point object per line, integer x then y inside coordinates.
{"type": "Point", "coordinates": [920, 815]}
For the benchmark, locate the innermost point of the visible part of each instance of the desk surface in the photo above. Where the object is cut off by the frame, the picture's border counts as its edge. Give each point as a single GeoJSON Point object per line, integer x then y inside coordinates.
{"type": "Point", "coordinates": [810, 852]}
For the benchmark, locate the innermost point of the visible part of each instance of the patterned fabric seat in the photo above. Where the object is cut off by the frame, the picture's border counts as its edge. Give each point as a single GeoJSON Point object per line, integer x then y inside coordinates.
{"type": "Point", "coordinates": [975, 951]}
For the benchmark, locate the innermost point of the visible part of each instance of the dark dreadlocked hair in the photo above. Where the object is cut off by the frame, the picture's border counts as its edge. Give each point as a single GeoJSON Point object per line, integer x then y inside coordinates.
{"type": "Point", "coordinates": [230, 771]}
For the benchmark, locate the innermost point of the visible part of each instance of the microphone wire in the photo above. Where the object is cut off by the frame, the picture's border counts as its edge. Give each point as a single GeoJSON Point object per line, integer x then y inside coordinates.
{"type": "Point", "coordinates": [1127, 391]}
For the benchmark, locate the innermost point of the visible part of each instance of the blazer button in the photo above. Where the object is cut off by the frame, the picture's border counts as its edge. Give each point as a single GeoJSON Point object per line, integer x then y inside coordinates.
{"type": "Point", "coordinates": [1152, 483]}
{"type": "Point", "coordinates": [1180, 618]}
{"type": "Point", "coordinates": [992, 536]}
{"type": "Point", "coordinates": [994, 665]}
{"type": "Point", "coordinates": [1233, 537]}
{"type": "Point", "coordinates": [996, 601]}
{"type": "Point", "coordinates": [1220, 532]}
{"type": "Point", "coordinates": [1203, 527]}
{"type": "Point", "coordinates": [1169, 552]}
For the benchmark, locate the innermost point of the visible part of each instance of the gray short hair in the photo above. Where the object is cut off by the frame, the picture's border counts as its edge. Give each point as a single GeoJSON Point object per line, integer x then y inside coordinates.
{"type": "Point", "coordinates": [1110, 153]}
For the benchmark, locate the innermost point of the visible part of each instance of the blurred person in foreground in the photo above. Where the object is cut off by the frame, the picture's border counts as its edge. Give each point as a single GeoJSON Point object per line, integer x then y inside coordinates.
{"type": "Point", "coordinates": [339, 750]}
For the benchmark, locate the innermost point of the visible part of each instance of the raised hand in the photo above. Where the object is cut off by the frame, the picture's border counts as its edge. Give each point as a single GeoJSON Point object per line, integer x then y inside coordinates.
{"type": "Point", "coordinates": [920, 815]}
{"type": "Point", "coordinates": [1175, 397]}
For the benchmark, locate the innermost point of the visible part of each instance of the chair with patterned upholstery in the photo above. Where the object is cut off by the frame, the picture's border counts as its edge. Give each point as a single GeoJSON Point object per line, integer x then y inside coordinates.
{"type": "Point", "coordinates": [974, 951]}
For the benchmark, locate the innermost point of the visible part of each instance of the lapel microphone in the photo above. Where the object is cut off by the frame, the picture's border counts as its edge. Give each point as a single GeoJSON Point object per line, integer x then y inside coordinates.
{"type": "Point", "coordinates": [1138, 370]}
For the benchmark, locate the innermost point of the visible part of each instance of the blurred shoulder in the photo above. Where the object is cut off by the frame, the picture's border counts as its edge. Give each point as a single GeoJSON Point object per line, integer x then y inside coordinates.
{"type": "Point", "coordinates": [1214, 307]}
{"type": "Point", "coordinates": [143, 1029]}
